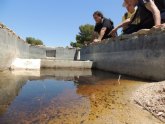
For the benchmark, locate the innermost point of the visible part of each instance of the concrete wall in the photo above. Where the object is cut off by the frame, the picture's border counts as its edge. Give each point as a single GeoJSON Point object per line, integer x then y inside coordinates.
{"type": "Point", "coordinates": [11, 47]}
{"type": "Point", "coordinates": [36, 52]}
{"type": "Point", "coordinates": [141, 56]}
{"type": "Point", "coordinates": [65, 54]}
{"type": "Point", "coordinates": [45, 63]}
{"type": "Point", "coordinates": [62, 53]}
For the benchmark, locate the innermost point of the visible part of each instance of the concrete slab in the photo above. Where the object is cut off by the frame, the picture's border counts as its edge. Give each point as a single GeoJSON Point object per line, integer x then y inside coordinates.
{"type": "Point", "coordinates": [45, 63]}
{"type": "Point", "coordinates": [66, 72]}
{"type": "Point", "coordinates": [26, 64]}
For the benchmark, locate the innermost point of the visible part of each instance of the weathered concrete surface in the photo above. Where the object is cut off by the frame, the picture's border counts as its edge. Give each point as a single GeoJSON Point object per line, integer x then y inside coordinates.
{"type": "Point", "coordinates": [60, 53]}
{"type": "Point", "coordinates": [26, 64]}
{"type": "Point", "coordinates": [36, 52]}
{"type": "Point", "coordinates": [37, 64]}
{"type": "Point", "coordinates": [65, 54]}
{"type": "Point", "coordinates": [65, 72]}
{"type": "Point", "coordinates": [12, 47]}
{"type": "Point", "coordinates": [136, 55]}
{"type": "Point", "coordinates": [46, 63]}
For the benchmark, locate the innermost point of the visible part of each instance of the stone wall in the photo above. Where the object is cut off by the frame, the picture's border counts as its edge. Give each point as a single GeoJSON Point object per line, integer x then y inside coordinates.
{"type": "Point", "coordinates": [141, 55]}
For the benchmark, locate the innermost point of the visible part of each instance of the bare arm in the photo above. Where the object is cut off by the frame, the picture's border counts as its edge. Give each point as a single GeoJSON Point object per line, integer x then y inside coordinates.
{"type": "Point", "coordinates": [102, 32]}
{"type": "Point", "coordinates": [123, 24]}
{"type": "Point", "coordinates": [155, 11]}
{"type": "Point", "coordinates": [94, 36]}
{"type": "Point", "coordinates": [99, 36]}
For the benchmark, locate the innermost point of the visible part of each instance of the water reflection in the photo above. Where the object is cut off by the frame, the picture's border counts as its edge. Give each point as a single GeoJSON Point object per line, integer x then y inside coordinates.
{"type": "Point", "coordinates": [69, 97]}
{"type": "Point", "coordinates": [10, 86]}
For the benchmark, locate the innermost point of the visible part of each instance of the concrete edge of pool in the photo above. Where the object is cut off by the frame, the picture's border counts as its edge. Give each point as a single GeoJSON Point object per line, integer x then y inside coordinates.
{"type": "Point", "coordinates": [37, 64]}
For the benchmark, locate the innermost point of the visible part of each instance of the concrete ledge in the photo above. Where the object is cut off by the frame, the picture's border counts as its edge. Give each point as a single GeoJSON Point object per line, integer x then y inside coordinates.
{"type": "Point", "coordinates": [65, 72]}
{"type": "Point", "coordinates": [36, 64]}
{"type": "Point", "coordinates": [26, 64]}
{"type": "Point", "coordinates": [66, 64]}
{"type": "Point", "coordinates": [139, 55]}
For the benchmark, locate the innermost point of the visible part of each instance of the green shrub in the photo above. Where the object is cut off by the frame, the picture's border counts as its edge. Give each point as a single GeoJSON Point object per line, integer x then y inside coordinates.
{"type": "Point", "coordinates": [33, 41]}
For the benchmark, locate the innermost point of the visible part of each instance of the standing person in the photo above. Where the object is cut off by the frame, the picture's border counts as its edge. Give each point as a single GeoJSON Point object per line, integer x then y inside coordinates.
{"type": "Point", "coordinates": [147, 15]}
{"type": "Point", "coordinates": [103, 26]}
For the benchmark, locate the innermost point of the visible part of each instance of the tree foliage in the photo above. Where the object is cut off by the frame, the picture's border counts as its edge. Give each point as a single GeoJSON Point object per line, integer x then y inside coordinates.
{"type": "Point", "coordinates": [75, 44]}
{"type": "Point", "coordinates": [84, 36]}
{"type": "Point", "coordinates": [33, 41]}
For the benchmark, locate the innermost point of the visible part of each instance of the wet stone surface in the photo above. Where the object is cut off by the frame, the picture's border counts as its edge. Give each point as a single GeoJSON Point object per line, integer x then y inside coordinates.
{"type": "Point", "coordinates": [88, 98]}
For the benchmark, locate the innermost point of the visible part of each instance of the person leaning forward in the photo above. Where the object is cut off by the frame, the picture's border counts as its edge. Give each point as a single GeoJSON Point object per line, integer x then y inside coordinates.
{"type": "Point", "coordinates": [131, 10]}
{"type": "Point", "coordinates": [148, 14]}
{"type": "Point", "coordinates": [103, 27]}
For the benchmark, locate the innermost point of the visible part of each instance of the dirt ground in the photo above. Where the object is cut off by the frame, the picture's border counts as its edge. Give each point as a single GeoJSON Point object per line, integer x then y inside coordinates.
{"type": "Point", "coordinates": [152, 98]}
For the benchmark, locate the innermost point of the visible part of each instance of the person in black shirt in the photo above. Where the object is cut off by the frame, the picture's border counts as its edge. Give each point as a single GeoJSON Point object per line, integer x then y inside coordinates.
{"type": "Point", "coordinates": [103, 26]}
{"type": "Point", "coordinates": [148, 15]}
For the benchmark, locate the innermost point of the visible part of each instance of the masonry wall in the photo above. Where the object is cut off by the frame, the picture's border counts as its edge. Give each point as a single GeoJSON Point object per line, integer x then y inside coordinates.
{"type": "Point", "coordinates": [141, 56]}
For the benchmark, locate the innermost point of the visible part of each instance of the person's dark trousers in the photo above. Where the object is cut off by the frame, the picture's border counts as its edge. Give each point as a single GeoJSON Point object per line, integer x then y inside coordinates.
{"type": "Point", "coordinates": [148, 24]}
{"type": "Point", "coordinates": [131, 29]}
{"type": "Point", "coordinates": [163, 16]}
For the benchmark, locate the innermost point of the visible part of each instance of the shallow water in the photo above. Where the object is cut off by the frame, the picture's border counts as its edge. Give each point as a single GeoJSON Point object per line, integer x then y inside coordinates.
{"type": "Point", "coordinates": [69, 97]}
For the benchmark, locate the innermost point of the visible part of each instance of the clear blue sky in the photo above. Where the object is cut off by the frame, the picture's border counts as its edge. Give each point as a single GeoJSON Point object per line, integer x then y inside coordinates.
{"type": "Point", "coordinates": [56, 22]}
